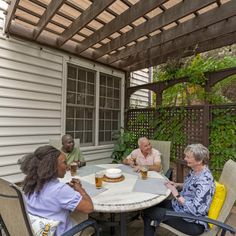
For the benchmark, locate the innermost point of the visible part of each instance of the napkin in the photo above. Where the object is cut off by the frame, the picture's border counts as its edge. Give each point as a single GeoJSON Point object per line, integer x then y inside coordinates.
{"type": "Point", "coordinates": [151, 185]}
{"type": "Point", "coordinates": [127, 169]}
{"type": "Point", "coordinates": [91, 188]}
{"type": "Point", "coordinates": [87, 170]}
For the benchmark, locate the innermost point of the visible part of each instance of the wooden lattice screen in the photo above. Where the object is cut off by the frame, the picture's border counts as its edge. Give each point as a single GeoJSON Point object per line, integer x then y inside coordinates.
{"type": "Point", "coordinates": [140, 121]}
{"type": "Point", "coordinates": [195, 122]}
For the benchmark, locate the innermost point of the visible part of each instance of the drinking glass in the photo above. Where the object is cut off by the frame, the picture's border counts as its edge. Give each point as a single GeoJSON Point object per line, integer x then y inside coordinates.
{"type": "Point", "coordinates": [98, 179]}
{"type": "Point", "coordinates": [73, 168]}
{"type": "Point", "coordinates": [144, 172]}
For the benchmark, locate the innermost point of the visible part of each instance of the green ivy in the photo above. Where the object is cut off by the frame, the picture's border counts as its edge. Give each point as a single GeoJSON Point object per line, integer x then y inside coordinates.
{"type": "Point", "coordinates": [124, 145]}
{"type": "Point", "coordinates": [194, 68]}
{"type": "Point", "coordinates": [222, 139]}
{"type": "Point", "coordinates": [128, 140]}
{"type": "Point", "coordinates": [171, 128]}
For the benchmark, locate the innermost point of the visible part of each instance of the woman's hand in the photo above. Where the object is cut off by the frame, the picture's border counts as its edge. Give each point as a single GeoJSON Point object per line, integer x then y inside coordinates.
{"type": "Point", "coordinates": [177, 185]}
{"type": "Point", "coordinates": [172, 188]}
{"type": "Point", "coordinates": [171, 185]}
{"type": "Point", "coordinates": [76, 185]}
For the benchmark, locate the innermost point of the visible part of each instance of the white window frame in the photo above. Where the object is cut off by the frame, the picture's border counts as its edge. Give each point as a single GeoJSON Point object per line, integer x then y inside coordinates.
{"type": "Point", "coordinates": [99, 69]}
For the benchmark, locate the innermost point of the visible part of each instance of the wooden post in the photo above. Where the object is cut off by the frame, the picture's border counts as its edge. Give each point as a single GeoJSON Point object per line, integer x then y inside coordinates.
{"type": "Point", "coordinates": [206, 113]}
{"type": "Point", "coordinates": [127, 98]}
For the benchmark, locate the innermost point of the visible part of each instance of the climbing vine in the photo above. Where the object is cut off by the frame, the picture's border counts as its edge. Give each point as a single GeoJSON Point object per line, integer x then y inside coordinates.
{"type": "Point", "coordinates": [222, 138]}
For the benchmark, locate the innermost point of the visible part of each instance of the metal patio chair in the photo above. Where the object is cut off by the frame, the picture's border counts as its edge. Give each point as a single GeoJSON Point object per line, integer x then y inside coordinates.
{"type": "Point", "coordinates": [220, 228]}
{"type": "Point", "coordinates": [14, 217]}
{"type": "Point", "coordinates": [164, 148]}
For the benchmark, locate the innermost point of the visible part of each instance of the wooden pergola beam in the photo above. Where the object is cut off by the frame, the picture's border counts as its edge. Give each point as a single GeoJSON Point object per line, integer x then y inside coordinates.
{"type": "Point", "coordinates": [174, 13]}
{"type": "Point", "coordinates": [218, 14]}
{"type": "Point", "coordinates": [87, 16]}
{"type": "Point", "coordinates": [127, 17]}
{"type": "Point", "coordinates": [51, 10]}
{"type": "Point", "coordinates": [208, 45]}
{"type": "Point", "coordinates": [213, 31]}
{"type": "Point", "coordinates": [10, 14]}
{"type": "Point", "coordinates": [22, 31]}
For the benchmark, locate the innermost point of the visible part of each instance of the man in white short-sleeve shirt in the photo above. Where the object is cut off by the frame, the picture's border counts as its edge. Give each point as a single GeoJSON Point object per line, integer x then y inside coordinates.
{"type": "Point", "coordinates": [144, 155]}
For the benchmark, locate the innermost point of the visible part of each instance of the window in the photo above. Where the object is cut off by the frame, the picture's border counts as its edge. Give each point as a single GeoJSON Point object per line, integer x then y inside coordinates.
{"type": "Point", "coordinates": [80, 106]}
{"type": "Point", "coordinates": [109, 107]}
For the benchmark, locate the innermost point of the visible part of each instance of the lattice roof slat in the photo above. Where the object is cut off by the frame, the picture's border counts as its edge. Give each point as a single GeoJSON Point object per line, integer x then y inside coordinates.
{"type": "Point", "coordinates": [87, 16]}
{"type": "Point", "coordinates": [206, 19]}
{"type": "Point", "coordinates": [51, 10]}
{"type": "Point", "coordinates": [128, 16]}
{"type": "Point", "coordinates": [32, 7]}
{"type": "Point", "coordinates": [153, 24]}
{"type": "Point", "coordinates": [154, 12]}
{"type": "Point", "coordinates": [126, 34]}
{"type": "Point", "coordinates": [25, 16]}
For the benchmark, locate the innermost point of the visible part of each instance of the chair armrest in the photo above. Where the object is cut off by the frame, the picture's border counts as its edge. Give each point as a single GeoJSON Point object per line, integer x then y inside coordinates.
{"type": "Point", "coordinates": [169, 173]}
{"type": "Point", "coordinates": [83, 225]}
{"type": "Point", "coordinates": [223, 226]}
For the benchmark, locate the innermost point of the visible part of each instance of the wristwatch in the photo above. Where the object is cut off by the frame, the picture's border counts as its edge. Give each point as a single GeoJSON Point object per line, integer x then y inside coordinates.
{"type": "Point", "coordinates": [177, 196]}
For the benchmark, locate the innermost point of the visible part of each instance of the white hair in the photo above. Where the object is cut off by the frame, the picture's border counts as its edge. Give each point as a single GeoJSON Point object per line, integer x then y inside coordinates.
{"type": "Point", "coordinates": [140, 140]}
{"type": "Point", "coordinates": [200, 152]}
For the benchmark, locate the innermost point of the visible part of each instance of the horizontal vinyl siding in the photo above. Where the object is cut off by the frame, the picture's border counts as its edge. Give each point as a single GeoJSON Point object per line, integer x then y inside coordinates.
{"type": "Point", "coordinates": [30, 102]}
{"type": "Point", "coordinates": [139, 98]}
{"type": "Point", "coordinates": [31, 87]}
{"type": "Point", "coordinates": [100, 155]}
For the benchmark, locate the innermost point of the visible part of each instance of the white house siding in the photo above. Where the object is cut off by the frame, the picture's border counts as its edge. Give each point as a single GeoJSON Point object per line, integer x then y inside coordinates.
{"type": "Point", "coordinates": [33, 100]}
{"type": "Point", "coordinates": [30, 100]}
{"type": "Point", "coordinates": [141, 98]}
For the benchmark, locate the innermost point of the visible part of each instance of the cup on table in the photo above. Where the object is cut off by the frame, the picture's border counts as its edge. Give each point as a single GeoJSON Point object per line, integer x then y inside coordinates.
{"type": "Point", "coordinates": [144, 172]}
{"type": "Point", "coordinates": [82, 163]}
{"type": "Point", "coordinates": [73, 168]}
{"type": "Point", "coordinates": [98, 179]}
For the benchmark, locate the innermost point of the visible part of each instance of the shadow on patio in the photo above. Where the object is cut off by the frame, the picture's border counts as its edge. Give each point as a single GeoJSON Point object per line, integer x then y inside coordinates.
{"type": "Point", "coordinates": [136, 227]}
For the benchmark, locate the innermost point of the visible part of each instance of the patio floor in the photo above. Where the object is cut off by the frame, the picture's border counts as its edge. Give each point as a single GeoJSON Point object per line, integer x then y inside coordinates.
{"type": "Point", "coordinates": [136, 227]}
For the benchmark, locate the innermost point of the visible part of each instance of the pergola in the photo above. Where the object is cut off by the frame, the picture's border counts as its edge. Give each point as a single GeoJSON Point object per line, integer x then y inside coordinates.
{"type": "Point", "coordinates": [125, 34]}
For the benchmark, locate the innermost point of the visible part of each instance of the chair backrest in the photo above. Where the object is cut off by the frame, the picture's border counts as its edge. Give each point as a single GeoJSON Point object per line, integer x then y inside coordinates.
{"type": "Point", "coordinates": [13, 210]}
{"type": "Point", "coordinates": [57, 143]}
{"type": "Point", "coordinates": [228, 179]}
{"type": "Point", "coordinates": [164, 148]}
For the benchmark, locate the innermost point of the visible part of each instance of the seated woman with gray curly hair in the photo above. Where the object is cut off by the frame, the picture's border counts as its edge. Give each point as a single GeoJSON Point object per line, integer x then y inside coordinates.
{"type": "Point", "coordinates": [45, 195]}
{"type": "Point", "coordinates": [195, 197]}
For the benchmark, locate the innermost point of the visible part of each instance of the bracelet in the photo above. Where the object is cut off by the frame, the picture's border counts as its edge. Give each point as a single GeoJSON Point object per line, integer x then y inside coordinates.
{"type": "Point", "coordinates": [177, 196]}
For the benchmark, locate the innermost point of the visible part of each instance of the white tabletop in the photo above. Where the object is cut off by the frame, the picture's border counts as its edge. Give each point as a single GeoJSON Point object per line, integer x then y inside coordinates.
{"type": "Point", "coordinates": [120, 197]}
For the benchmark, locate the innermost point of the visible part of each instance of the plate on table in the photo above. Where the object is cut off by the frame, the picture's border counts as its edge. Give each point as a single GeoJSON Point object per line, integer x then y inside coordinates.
{"type": "Point", "coordinates": [113, 173]}
{"type": "Point", "coordinates": [113, 180]}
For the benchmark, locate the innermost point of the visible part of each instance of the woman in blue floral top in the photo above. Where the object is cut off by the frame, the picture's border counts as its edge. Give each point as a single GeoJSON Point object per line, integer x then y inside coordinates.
{"type": "Point", "coordinates": [195, 197]}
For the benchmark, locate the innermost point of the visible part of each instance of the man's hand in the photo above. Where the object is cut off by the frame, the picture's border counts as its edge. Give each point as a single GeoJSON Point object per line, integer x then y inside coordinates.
{"type": "Point", "coordinates": [130, 162]}
{"type": "Point", "coordinates": [137, 168]}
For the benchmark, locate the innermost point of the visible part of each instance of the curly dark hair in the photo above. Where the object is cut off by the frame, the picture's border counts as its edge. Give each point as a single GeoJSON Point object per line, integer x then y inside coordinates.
{"type": "Point", "coordinates": [24, 162]}
{"type": "Point", "coordinates": [41, 169]}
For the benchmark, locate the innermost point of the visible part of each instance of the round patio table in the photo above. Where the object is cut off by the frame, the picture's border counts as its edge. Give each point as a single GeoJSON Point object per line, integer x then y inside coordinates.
{"type": "Point", "coordinates": [131, 194]}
